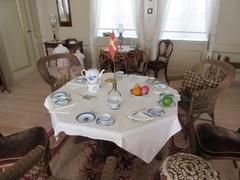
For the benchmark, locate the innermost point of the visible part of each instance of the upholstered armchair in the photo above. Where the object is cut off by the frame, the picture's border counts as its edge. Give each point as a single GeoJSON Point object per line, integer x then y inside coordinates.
{"type": "Point", "coordinates": [215, 142]}
{"type": "Point", "coordinates": [24, 155]}
{"type": "Point", "coordinates": [57, 69]}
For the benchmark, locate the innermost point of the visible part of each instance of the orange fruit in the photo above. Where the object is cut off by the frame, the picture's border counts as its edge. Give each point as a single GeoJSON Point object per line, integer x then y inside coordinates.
{"type": "Point", "coordinates": [137, 91]}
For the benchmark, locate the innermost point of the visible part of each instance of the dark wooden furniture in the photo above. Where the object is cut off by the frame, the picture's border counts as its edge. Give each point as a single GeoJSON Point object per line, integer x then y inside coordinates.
{"type": "Point", "coordinates": [3, 81]}
{"type": "Point", "coordinates": [28, 152]}
{"type": "Point", "coordinates": [137, 61]}
{"type": "Point", "coordinates": [215, 142]}
{"type": "Point", "coordinates": [105, 60]}
{"type": "Point", "coordinates": [72, 47]}
{"type": "Point", "coordinates": [55, 72]}
{"type": "Point", "coordinates": [165, 49]}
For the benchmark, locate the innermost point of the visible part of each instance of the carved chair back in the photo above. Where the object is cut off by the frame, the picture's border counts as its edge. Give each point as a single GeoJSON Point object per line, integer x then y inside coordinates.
{"type": "Point", "coordinates": [165, 49]}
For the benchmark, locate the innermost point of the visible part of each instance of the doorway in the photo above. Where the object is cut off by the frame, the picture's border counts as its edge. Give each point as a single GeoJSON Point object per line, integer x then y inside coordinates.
{"type": "Point", "coordinates": [16, 31]}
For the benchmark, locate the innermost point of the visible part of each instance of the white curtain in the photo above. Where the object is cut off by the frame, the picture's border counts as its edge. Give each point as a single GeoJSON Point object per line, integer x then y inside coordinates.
{"type": "Point", "coordinates": [94, 21]}
{"type": "Point", "coordinates": [138, 17]}
{"type": "Point", "coordinates": [158, 25]}
{"type": "Point", "coordinates": [212, 22]}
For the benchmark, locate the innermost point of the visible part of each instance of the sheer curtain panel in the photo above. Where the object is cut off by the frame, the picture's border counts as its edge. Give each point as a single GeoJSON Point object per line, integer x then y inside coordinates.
{"type": "Point", "coordinates": [213, 7]}
{"type": "Point", "coordinates": [94, 21]}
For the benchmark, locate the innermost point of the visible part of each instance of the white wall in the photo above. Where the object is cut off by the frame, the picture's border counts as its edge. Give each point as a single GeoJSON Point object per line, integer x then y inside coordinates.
{"type": "Point", "coordinates": [80, 23]}
{"type": "Point", "coordinates": [185, 53]}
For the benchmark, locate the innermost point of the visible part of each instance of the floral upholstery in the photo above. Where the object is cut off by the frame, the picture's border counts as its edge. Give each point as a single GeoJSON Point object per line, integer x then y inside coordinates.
{"type": "Point", "coordinates": [186, 166]}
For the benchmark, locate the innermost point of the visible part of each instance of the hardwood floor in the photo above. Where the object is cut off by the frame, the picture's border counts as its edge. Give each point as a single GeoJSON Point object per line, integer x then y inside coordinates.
{"type": "Point", "coordinates": [23, 107]}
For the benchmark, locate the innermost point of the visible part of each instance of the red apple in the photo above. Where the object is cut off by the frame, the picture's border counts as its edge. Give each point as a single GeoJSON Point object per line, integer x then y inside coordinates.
{"type": "Point", "coordinates": [145, 89]}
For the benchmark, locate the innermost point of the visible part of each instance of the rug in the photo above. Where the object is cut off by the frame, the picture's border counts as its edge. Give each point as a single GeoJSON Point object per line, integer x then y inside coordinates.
{"type": "Point", "coordinates": [75, 158]}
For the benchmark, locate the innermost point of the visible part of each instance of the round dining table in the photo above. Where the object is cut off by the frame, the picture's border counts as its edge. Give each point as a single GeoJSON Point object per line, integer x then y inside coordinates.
{"type": "Point", "coordinates": [143, 138]}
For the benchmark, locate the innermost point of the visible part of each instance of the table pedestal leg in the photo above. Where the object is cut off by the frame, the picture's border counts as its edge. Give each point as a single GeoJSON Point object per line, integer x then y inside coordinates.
{"type": "Point", "coordinates": [104, 149]}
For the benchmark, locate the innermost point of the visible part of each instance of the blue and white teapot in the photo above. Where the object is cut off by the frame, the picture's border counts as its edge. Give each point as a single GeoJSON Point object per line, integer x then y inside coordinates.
{"type": "Point", "coordinates": [92, 75]}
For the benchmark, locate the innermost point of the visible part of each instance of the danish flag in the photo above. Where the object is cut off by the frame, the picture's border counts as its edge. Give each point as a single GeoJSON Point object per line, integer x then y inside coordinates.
{"type": "Point", "coordinates": [113, 45]}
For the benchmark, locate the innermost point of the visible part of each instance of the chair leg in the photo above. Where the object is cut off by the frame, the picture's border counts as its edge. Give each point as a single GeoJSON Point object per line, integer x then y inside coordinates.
{"type": "Point", "coordinates": [166, 77]}
{"type": "Point", "coordinates": [156, 73]}
{"type": "Point", "coordinates": [235, 164]}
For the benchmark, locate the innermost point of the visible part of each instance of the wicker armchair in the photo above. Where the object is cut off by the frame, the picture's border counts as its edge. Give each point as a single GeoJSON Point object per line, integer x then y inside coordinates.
{"type": "Point", "coordinates": [137, 61]}
{"type": "Point", "coordinates": [57, 69]}
{"type": "Point", "coordinates": [200, 87]}
{"type": "Point", "coordinates": [24, 155]}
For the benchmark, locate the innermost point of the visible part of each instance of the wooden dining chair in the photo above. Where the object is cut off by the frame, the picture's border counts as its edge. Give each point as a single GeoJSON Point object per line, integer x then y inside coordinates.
{"type": "Point", "coordinates": [214, 142]}
{"type": "Point", "coordinates": [58, 69]}
{"type": "Point", "coordinates": [165, 49]}
{"type": "Point", "coordinates": [137, 61]}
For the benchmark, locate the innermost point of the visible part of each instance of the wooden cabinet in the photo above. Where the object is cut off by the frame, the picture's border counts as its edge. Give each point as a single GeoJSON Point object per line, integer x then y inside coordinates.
{"type": "Point", "coordinates": [72, 47]}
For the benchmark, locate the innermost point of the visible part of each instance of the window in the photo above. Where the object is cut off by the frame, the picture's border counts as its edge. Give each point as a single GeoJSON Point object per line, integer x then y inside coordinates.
{"type": "Point", "coordinates": [115, 12]}
{"type": "Point", "coordinates": [186, 20]}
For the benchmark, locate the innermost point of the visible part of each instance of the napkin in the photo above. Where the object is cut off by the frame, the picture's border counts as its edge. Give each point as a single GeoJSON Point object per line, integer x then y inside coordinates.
{"type": "Point", "coordinates": [140, 116]}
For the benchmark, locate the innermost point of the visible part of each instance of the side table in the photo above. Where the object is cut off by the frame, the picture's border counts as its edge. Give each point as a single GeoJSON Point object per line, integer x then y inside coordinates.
{"type": "Point", "coordinates": [72, 47]}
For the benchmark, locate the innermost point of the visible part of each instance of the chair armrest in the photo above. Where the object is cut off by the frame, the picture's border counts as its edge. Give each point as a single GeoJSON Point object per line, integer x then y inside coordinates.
{"type": "Point", "coordinates": [175, 81]}
{"type": "Point", "coordinates": [204, 99]}
{"type": "Point", "coordinates": [17, 145]}
{"type": "Point", "coordinates": [109, 168]}
{"type": "Point", "coordinates": [23, 165]}
{"type": "Point", "coordinates": [176, 77]}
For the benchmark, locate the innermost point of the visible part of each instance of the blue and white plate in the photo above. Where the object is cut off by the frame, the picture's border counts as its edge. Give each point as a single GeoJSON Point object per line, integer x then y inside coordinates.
{"type": "Point", "coordinates": [79, 80]}
{"type": "Point", "coordinates": [85, 117]}
{"type": "Point", "coordinates": [132, 76]}
{"type": "Point", "coordinates": [56, 95]}
{"type": "Point", "coordinates": [150, 81]}
{"type": "Point", "coordinates": [105, 120]}
{"type": "Point", "coordinates": [156, 111]}
{"type": "Point", "coordinates": [160, 85]}
{"type": "Point", "coordinates": [62, 101]}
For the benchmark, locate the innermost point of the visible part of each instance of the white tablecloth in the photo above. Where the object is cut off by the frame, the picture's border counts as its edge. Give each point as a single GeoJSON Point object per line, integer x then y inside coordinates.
{"type": "Point", "coordinates": [143, 139]}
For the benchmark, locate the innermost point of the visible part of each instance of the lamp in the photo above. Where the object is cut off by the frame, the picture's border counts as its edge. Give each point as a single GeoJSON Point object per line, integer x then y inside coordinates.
{"type": "Point", "coordinates": [53, 22]}
{"type": "Point", "coordinates": [120, 30]}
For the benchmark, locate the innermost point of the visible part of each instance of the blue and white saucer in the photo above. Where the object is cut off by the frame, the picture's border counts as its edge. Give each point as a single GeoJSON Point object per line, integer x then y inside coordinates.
{"type": "Point", "coordinates": [62, 101]}
{"type": "Point", "coordinates": [85, 117]}
{"type": "Point", "coordinates": [79, 80]}
{"type": "Point", "coordinates": [105, 120]}
{"type": "Point", "coordinates": [57, 95]}
{"type": "Point", "coordinates": [156, 111]}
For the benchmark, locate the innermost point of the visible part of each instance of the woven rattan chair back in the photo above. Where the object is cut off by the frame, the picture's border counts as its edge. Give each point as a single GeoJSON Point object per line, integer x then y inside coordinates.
{"type": "Point", "coordinates": [216, 70]}
{"type": "Point", "coordinates": [203, 100]}
{"type": "Point", "coordinates": [49, 66]}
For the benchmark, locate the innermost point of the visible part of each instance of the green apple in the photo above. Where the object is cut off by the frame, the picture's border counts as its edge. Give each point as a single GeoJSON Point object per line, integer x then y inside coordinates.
{"type": "Point", "coordinates": [167, 101]}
